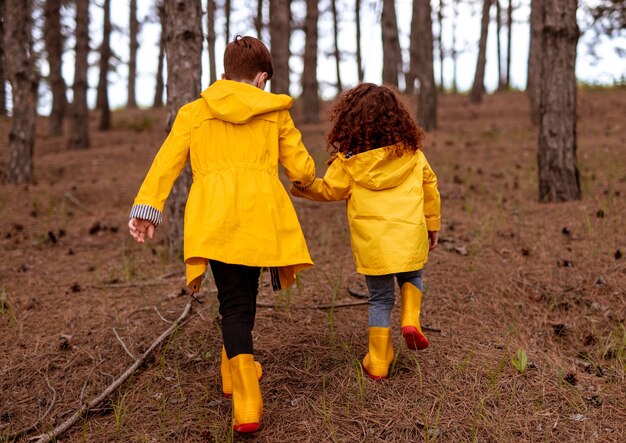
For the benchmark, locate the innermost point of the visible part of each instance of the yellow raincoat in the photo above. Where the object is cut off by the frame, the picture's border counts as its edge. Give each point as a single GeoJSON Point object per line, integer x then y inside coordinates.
{"type": "Point", "coordinates": [392, 203]}
{"type": "Point", "coordinates": [238, 211]}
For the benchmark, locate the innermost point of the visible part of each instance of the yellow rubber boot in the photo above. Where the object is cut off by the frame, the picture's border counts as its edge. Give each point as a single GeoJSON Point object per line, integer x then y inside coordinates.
{"type": "Point", "coordinates": [247, 401]}
{"type": "Point", "coordinates": [227, 383]}
{"type": "Point", "coordinates": [410, 317]}
{"type": "Point", "coordinates": [376, 362]}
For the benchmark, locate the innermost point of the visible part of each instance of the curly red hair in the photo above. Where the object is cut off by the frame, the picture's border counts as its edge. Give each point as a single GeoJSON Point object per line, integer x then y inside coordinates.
{"type": "Point", "coordinates": [369, 117]}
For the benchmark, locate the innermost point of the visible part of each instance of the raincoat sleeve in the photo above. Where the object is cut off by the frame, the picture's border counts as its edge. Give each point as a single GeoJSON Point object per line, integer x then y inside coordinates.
{"type": "Point", "coordinates": [336, 185]}
{"type": "Point", "coordinates": [432, 201]}
{"type": "Point", "coordinates": [166, 167]}
{"type": "Point", "coordinates": [298, 164]}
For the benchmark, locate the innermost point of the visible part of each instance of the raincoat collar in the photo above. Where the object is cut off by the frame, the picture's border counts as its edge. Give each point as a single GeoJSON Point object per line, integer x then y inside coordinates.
{"type": "Point", "coordinates": [238, 102]}
{"type": "Point", "coordinates": [375, 170]}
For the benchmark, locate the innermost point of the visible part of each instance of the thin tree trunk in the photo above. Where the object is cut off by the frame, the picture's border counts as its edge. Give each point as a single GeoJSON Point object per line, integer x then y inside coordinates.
{"type": "Point", "coordinates": [258, 20]}
{"type": "Point", "coordinates": [359, 61]}
{"type": "Point", "coordinates": [105, 56]}
{"type": "Point", "coordinates": [389, 31]}
{"type": "Point", "coordinates": [533, 88]}
{"type": "Point", "coordinates": [558, 172]}
{"type": "Point", "coordinates": [440, 43]}
{"type": "Point", "coordinates": [79, 112]}
{"type": "Point", "coordinates": [24, 81]}
{"type": "Point", "coordinates": [3, 96]}
{"type": "Point", "coordinates": [158, 90]}
{"type": "Point", "coordinates": [499, 43]}
{"type": "Point", "coordinates": [478, 87]}
{"type": "Point", "coordinates": [183, 47]}
{"type": "Point", "coordinates": [54, 42]}
{"type": "Point", "coordinates": [227, 9]}
{"type": "Point", "coordinates": [336, 41]}
{"type": "Point", "coordinates": [210, 38]}
{"type": "Point", "coordinates": [414, 42]}
{"type": "Point", "coordinates": [310, 96]}
{"type": "Point", "coordinates": [509, 20]}
{"type": "Point", "coordinates": [455, 14]}
{"type": "Point", "coordinates": [279, 36]}
{"type": "Point", "coordinates": [132, 59]}
{"type": "Point", "coordinates": [427, 101]}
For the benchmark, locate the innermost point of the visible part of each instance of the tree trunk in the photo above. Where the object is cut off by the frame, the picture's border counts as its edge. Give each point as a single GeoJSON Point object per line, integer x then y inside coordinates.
{"type": "Point", "coordinates": [79, 112]}
{"type": "Point", "coordinates": [336, 41]}
{"type": "Point", "coordinates": [54, 42]}
{"type": "Point", "coordinates": [3, 96]}
{"type": "Point", "coordinates": [498, 43]}
{"type": "Point", "coordinates": [359, 61]}
{"type": "Point", "coordinates": [23, 77]}
{"type": "Point", "coordinates": [427, 101]}
{"type": "Point", "coordinates": [389, 29]}
{"type": "Point", "coordinates": [258, 20]}
{"type": "Point", "coordinates": [183, 46]}
{"type": "Point", "coordinates": [310, 96]}
{"type": "Point", "coordinates": [440, 43]}
{"type": "Point", "coordinates": [558, 172]}
{"type": "Point", "coordinates": [158, 90]}
{"type": "Point", "coordinates": [533, 85]}
{"type": "Point", "coordinates": [509, 21]}
{"type": "Point", "coordinates": [227, 10]}
{"type": "Point", "coordinates": [105, 56]}
{"type": "Point", "coordinates": [279, 36]}
{"type": "Point", "coordinates": [414, 42]}
{"type": "Point", "coordinates": [455, 14]}
{"type": "Point", "coordinates": [210, 38]}
{"type": "Point", "coordinates": [132, 59]}
{"type": "Point", "coordinates": [478, 87]}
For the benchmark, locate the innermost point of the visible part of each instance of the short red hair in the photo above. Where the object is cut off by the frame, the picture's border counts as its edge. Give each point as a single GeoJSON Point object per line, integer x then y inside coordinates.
{"type": "Point", "coordinates": [245, 57]}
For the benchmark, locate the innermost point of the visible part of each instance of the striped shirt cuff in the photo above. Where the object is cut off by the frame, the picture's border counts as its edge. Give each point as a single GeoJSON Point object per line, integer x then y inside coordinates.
{"type": "Point", "coordinates": [146, 212]}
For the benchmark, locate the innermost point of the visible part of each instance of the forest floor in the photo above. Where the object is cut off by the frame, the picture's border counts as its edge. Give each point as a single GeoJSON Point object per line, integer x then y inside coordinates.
{"type": "Point", "coordinates": [510, 274]}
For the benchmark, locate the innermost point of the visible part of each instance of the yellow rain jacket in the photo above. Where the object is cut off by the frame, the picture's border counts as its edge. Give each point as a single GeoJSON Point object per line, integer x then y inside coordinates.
{"type": "Point", "coordinates": [238, 211]}
{"type": "Point", "coordinates": [392, 203]}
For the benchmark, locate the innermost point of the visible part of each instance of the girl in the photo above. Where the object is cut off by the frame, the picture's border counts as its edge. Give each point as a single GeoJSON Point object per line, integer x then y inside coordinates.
{"type": "Point", "coordinates": [393, 209]}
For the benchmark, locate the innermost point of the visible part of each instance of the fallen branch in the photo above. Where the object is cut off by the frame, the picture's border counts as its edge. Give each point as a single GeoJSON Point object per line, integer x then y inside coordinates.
{"type": "Point", "coordinates": [84, 409]}
{"type": "Point", "coordinates": [123, 344]}
{"type": "Point", "coordinates": [72, 199]}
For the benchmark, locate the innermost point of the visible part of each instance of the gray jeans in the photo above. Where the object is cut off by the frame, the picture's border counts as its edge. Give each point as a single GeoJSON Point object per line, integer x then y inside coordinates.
{"type": "Point", "coordinates": [381, 289]}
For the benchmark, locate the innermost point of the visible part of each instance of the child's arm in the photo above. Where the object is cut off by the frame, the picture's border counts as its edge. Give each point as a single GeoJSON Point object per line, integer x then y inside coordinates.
{"type": "Point", "coordinates": [147, 210]}
{"type": "Point", "coordinates": [298, 164]}
{"type": "Point", "coordinates": [336, 185]}
{"type": "Point", "coordinates": [432, 205]}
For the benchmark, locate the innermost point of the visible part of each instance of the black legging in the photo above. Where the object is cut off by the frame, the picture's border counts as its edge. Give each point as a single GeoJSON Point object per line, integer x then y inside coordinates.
{"type": "Point", "coordinates": [237, 288]}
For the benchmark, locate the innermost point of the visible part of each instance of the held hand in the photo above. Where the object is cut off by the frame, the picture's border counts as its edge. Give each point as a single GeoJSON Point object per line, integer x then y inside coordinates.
{"type": "Point", "coordinates": [139, 228]}
{"type": "Point", "coordinates": [433, 237]}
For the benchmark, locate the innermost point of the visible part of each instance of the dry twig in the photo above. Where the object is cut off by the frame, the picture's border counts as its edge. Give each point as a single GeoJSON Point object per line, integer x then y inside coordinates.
{"type": "Point", "coordinates": [123, 344]}
{"type": "Point", "coordinates": [84, 409]}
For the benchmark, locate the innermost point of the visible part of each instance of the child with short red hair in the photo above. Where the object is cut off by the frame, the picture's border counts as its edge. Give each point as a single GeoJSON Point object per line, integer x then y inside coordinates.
{"type": "Point", "coordinates": [393, 209]}
{"type": "Point", "coordinates": [238, 217]}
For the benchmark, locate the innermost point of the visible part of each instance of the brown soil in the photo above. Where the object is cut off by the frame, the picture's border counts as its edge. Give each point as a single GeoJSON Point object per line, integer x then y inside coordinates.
{"type": "Point", "coordinates": [510, 273]}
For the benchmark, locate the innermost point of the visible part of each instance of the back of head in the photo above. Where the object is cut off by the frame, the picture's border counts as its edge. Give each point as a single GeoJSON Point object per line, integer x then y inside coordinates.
{"type": "Point", "coordinates": [369, 117]}
{"type": "Point", "coordinates": [245, 57]}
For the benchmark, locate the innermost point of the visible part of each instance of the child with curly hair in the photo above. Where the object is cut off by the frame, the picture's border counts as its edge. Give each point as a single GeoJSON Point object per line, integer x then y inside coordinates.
{"type": "Point", "coordinates": [393, 208]}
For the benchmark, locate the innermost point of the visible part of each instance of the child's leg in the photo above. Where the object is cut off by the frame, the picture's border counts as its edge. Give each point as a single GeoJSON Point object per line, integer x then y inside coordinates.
{"type": "Point", "coordinates": [237, 288]}
{"type": "Point", "coordinates": [411, 287]}
{"type": "Point", "coordinates": [380, 349]}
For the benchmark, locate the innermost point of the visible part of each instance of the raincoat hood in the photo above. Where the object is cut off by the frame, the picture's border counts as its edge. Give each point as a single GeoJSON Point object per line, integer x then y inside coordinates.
{"type": "Point", "coordinates": [376, 171]}
{"type": "Point", "coordinates": [239, 102]}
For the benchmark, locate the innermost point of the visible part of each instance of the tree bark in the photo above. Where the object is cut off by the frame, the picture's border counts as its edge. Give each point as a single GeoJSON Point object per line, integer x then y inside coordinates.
{"type": "Point", "coordinates": [509, 21]}
{"type": "Point", "coordinates": [427, 99]}
{"type": "Point", "coordinates": [54, 42]}
{"type": "Point", "coordinates": [336, 44]}
{"type": "Point", "coordinates": [499, 43]}
{"type": "Point", "coordinates": [414, 42]}
{"type": "Point", "coordinates": [533, 85]}
{"type": "Point", "coordinates": [158, 90]}
{"type": "Point", "coordinates": [210, 39]}
{"type": "Point", "coordinates": [478, 87]}
{"type": "Point", "coordinates": [258, 20]}
{"type": "Point", "coordinates": [24, 81]}
{"type": "Point", "coordinates": [227, 9]}
{"type": "Point", "coordinates": [279, 36]}
{"type": "Point", "coordinates": [558, 172]}
{"type": "Point", "coordinates": [389, 31]}
{"type": "Point", "coordinates": [440, 44]}
{"type": "Point", "coordinates": [132, 59]}
{"type": "Point", "coordinates": [310, 96]}
{"type": "Point", "coordinates": [183, 46]}
{"type": "Point", "coordinates": [79, 112]}
{"type": "Point", "coordinates": [359, 61]}
{"type": "Point", "coordinates": [3, 96]}
{"type": "Point", "coordinates": [455, 13]}
{"type": "Point", "coordinates": [105, 56]}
